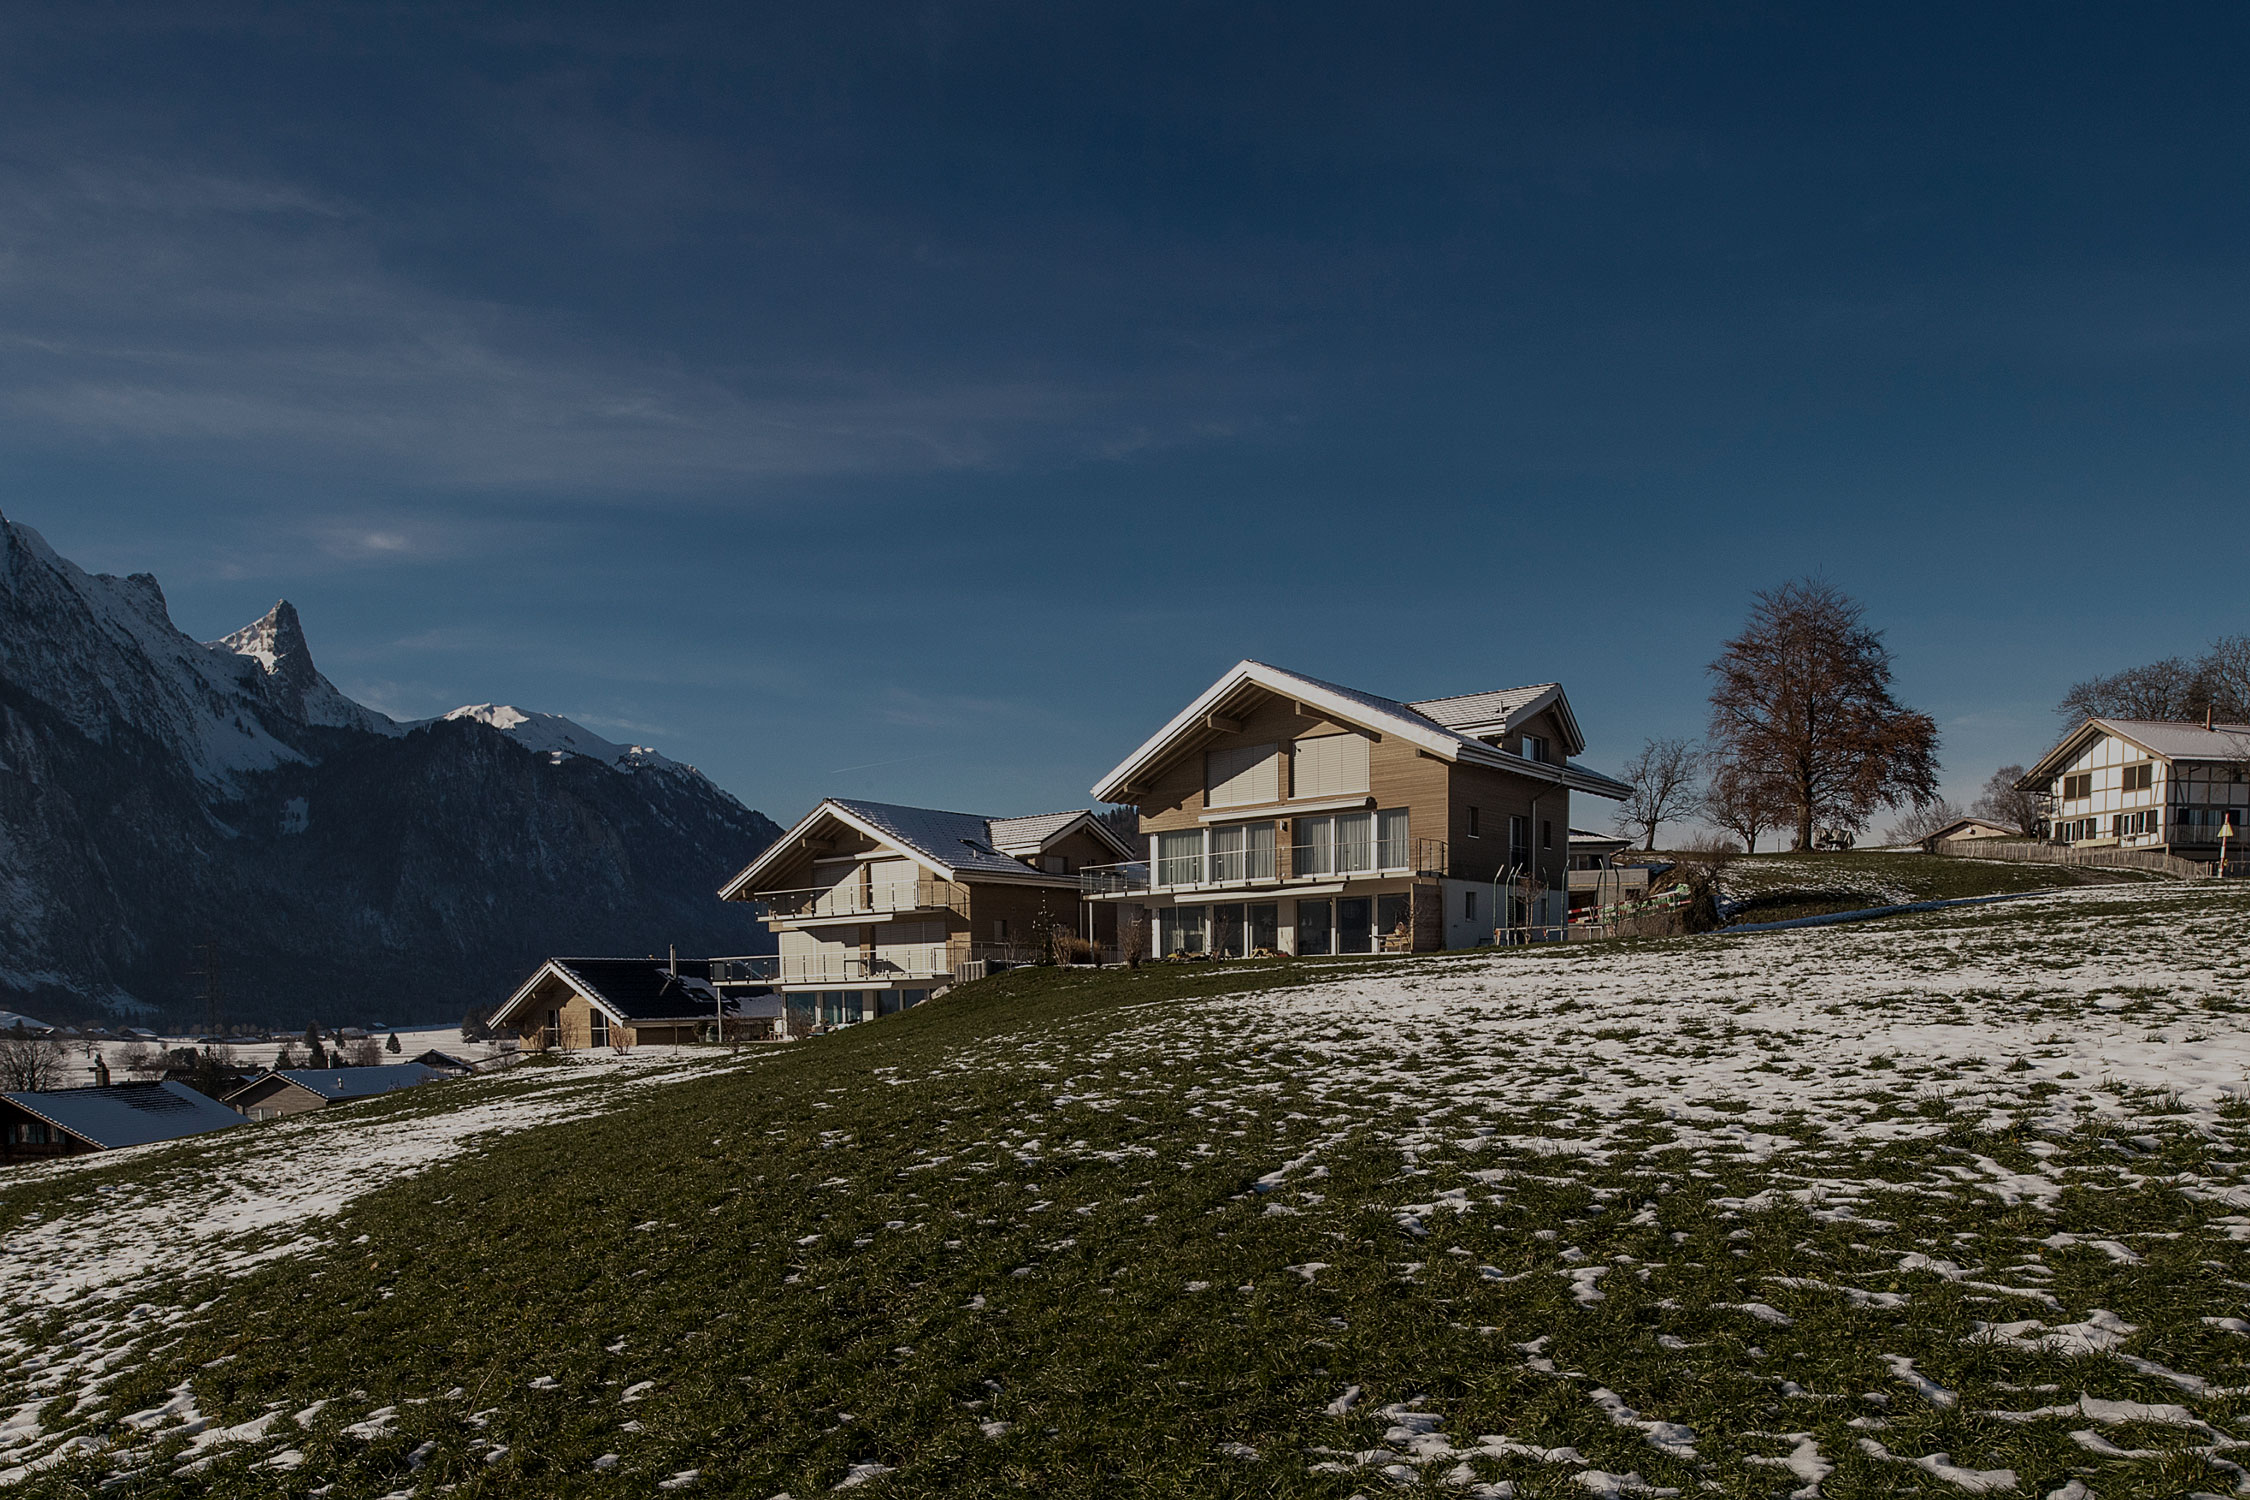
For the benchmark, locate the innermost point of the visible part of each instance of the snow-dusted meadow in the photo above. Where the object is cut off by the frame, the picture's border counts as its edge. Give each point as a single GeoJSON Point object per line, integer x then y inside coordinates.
{"type": "Point", "coordinates": [1953, 1203]}
{"type": "Point", "coordinates": [222, 1206]}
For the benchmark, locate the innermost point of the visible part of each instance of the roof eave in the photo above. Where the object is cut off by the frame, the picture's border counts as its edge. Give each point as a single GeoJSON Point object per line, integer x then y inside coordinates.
{"type": "Point", "coordinates": [1282, 683]}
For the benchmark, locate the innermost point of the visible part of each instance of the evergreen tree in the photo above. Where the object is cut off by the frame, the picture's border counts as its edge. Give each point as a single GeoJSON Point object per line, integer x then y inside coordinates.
{"type": "Point", "coordinates": [392, 1045]}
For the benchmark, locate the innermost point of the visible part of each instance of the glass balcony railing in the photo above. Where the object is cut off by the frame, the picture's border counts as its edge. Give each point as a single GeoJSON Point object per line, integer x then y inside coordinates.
{"type": "Point", "coordinates": [816, 902]}
{"type": "Point", "coordinates": [1321, 861]}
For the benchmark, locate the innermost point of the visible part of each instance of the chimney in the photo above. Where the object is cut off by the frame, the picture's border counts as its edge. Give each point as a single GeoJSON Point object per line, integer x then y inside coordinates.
{"type": "Point", "coordinates": [674, 962]}
{"type": "Point", "coordinates": [2207, 710]}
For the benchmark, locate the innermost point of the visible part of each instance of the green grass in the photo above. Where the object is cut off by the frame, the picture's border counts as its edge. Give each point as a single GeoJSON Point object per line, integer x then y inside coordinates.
{"type": "Point", "coordinates": [1779, 887]}
{"type": "Point", "coordinates": [991, 1210]}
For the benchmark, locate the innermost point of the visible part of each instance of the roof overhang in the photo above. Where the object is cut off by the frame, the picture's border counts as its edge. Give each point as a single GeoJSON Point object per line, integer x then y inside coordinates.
{"type": "Point", "coordinates": [1085, 821]}
{"type": "Point", "coordinates": [743, 886]}
{"type": "Point", "coordinates": [555, 971]}
{"type": "Point", "coordinates": [561, 973]}
{"type": "Point", "coordinates": [1194, 723]}
{"type": "Point", "coordinates": [1206, 716]}
{"type": "Point", "coordinates": [72, 1131]}
{"type": "Point", "coordinates": [273, 1076]}
{"type": "Point", "coordinates": [1550, 697]}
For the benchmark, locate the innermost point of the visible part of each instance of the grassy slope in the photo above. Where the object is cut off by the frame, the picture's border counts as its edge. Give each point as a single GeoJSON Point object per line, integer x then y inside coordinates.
{"type": "Point", "coordinates": [1777, 887]}
{"type": "Point", "coordinates": [793, 1253]}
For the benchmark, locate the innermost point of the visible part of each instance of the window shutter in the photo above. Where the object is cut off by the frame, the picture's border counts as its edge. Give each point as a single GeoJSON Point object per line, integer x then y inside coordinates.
{"type": "Point", "coordinates": [1242, 776]}
{"type": "Point", "coordinates": [1332, 765]}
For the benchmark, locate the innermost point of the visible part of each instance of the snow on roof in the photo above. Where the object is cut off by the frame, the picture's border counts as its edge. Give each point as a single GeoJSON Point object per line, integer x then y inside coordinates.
{"type": "Point", "coordinates": [10, 1020]}
{"type": "Point", "coordinates": [128, 1114]}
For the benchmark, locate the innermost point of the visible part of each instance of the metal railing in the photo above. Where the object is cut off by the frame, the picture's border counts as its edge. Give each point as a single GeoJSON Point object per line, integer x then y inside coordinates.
{"type": "Point", "coordinates": [887, 897]}
{"type": "Point", "coordinates": [756, 969]}
{"type": "Point", "coordinates": [918, 961]}
{"type": "Point", "coordinates": [1406, 856]}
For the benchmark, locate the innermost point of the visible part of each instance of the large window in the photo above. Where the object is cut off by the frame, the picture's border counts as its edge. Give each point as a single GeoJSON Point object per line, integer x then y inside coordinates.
{"type": "Point", "coordinates": [1351, 843]}
{"type": "Point", "coordinates": [1242, 776]}
{"type": "Point", "coordinates": [1519, 842]}
{"type": "Point", "coordinates": [1183, 929]}
{"type": "Point", "coordinates": [2138, 778]}
{"type": "Point", "coordinates": [1179, 858]}
{"type": "Point", "coordinates": [1330, 765]}
{"type": "Point", "coordinates": [601, 1029]}
{"type": "Point", "coordinates": [1242, 851]}
{"type": "Point", "coordinates": [1394, 921]}
{"type": "Point", "coordinates": [2081, 785]}
{"type": "Point", "coordinates": [1229, 852]}
{"type": "Point", "coordinates": [1315, 927]}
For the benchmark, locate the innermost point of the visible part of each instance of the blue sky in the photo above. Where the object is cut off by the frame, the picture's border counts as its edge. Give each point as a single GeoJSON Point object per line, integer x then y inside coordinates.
{"type": "Point", "coordinates": [922, 401]}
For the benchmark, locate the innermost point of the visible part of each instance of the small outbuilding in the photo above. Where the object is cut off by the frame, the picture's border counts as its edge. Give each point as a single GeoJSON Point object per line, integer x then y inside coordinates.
{"type": "Point", "coordinates": [1969, 830]}
{"type": "Point", "coordinates": [294, 1091]}
{"type": "Point", "coordinates": [67, 1122]}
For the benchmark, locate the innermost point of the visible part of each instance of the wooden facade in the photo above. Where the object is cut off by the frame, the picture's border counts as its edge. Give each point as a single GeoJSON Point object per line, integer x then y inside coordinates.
{"type": "Point", "coordinates": [1247, 799]}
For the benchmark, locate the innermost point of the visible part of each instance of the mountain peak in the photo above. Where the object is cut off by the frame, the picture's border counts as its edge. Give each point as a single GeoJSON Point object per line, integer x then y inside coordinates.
{"type": "Point", "coordinates": [276, 642]}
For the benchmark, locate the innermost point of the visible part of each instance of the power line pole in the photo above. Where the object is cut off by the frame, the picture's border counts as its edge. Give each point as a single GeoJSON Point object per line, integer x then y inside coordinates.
{"type": "Point", "coordinates": [213, 989]}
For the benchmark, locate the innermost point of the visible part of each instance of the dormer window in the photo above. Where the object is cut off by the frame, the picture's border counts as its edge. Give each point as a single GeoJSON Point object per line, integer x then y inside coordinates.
{"type": "Point", "coordinates": [1535, 747]}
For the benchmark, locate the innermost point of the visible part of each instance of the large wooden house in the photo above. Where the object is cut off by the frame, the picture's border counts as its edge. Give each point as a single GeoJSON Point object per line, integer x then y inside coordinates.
{"type": "Point", "coordinates": [878, 905]}
{"type": "Point", "coordinates": [1292, 815]}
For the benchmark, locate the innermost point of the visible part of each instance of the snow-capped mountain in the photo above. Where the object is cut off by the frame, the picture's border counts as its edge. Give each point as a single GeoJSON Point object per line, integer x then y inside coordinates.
{"type": "Point", "coordinates": [554, 736]}
{"type": "Point", "coordinates": [160, 794]}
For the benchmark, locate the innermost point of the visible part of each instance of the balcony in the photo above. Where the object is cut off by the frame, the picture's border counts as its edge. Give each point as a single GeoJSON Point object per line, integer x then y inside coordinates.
{"type": "Point", "coordinates": [885, 966]}
{"type": "Point", "coordinates": [843, 902]}
{"type": "Point", "coordinates": [757, 969]}
{"type": "Point", "coordinates": [1343, 859]}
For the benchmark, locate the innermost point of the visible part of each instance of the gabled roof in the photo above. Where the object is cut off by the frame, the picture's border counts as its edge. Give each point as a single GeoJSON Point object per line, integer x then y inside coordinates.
{"type": "Point", "coordinates": [953, 846]}
{"type": "Point", "coordinates": [337, 1084]}
{"type": "Point", "coordinates": [1408, 721]}
{"type": "Point", "coordinates": [1964, 825]}
{"type": "Point", "coordinates": [2165, 739]}
{"type": "Point", "coordinates": [628, 990]}
{"type": "Point", "coordinates": [1497, 712]}
{"type": "Point", "coordinates": [1041, 832]}
{"type": "Point", "coordinates": [128, 1114]}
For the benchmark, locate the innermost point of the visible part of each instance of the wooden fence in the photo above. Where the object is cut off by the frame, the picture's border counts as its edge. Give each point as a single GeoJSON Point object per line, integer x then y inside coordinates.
{"type": "Point", "coordinates": [2057, 854]}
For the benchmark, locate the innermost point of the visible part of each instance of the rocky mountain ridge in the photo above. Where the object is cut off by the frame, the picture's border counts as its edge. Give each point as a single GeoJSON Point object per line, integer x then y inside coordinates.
{"type": "Point", "coordinates": [165, 800]}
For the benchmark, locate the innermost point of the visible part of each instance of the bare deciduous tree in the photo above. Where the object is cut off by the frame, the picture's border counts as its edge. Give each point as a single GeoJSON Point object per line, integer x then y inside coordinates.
{"type": "Point", "coordinates": [1736, 800]}
{"type": "Point", "coordinates": [1663, 775]}
{"type": "Point", "coordinates": [1920, 822]}
{"type": "Point", "coordinates": [2176, 689]}
{"type": "Point", "coordinates": [2010, 805]}
{"type": "Point", "coordinates": [1802, 704]}
{"type": "Point", "coordinates": [30, 1064]}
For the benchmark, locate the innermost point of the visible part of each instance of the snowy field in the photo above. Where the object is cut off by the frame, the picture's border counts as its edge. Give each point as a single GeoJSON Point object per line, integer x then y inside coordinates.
{"type": "Point", "coordinates": [1953, 1204]}
{"type": "Point", "coordinates": [225, 1205]}
{"type": "Point", "coordinates": [78, 1059]}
